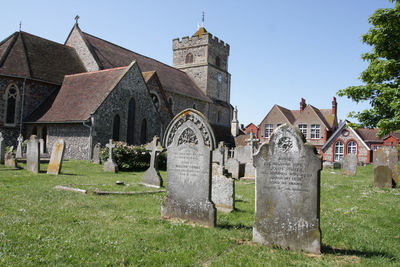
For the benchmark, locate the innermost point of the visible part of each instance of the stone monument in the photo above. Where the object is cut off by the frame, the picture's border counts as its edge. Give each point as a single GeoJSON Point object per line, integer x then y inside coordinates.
{"type": "Point", "coordinates": [288, 192]}
{"type": "Point", "coordinates": [56, 157]}
{"type": "Point", "coordinates": [41, 145]}
{"type": "Point", "coordinates": [96, 154]}
{"type": "Point", "coordinates": [152, 176]}
{"type": "Point", "coordinates": [189, 141]}
{"type": "Point", "coordinates": [233, 167]}
{"type": "Point", "coordinates": [349, 165]}
{"type": "Point", "coordinates": [222, 190]}
{"type": "Point", "coordinates": [32, 155]}
{"type": "Point", "coordinates": [110, 165]}
{"type": "Point", "coordinates": [20, 139]}
{"type": "Point", "coordinates": [386, 156]}
{"type": "Point", "coordinates": [9, 159]}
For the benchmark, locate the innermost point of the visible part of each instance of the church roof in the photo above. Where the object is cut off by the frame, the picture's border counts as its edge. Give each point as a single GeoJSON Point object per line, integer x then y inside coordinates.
{"type": "Point", "coordinates": [80, 96]}
{"type": "Point", "coordinates": [200, 32]}
{"type": "Point", "coordinates": [109, 55]}
{"type": "Point", "coordinates": [28, 56]}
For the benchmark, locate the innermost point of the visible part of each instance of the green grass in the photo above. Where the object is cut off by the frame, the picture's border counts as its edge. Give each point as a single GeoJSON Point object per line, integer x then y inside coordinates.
{"type": "Point", "coordinates": [43, 226]}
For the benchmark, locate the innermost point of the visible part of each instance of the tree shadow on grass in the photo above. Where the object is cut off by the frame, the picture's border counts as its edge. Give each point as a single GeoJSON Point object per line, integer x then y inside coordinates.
{"type": "Point", "coordinates": [351, 252]}
{"type": "Point", "coordinates": [234, 226]}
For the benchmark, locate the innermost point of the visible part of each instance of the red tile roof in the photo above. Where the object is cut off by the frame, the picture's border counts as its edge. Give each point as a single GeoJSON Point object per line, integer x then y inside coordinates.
{"type": "Point", "coordinates": [28, 56]}
{"type": "Point", "coordinates": [369, 135]}
{"type": "Point", "coordinates": [110, 55]}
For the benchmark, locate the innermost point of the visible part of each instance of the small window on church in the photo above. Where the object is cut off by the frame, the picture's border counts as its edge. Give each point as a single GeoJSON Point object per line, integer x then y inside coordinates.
{"type": "Point", "coordinates": [189, 58]}
{"type": "Point", "coordinates": [219, 115]}
{"type": "Point", "coordinates": [143, 132]}
{"type": "Point", "coordinates": [194, 106]}
{"type": "Point", "coordinates": [171, 104]}
{"type": "Point", "coordinates": [11, 100]}
{"type": "Point", "coordinates": [116, 125]}
{"type": "Point", "coordinates": [218, 61]}
{"type": "Point", "coordinates": [156, 101]}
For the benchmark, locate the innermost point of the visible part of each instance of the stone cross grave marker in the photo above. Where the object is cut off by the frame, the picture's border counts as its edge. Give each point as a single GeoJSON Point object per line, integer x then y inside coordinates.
{"type": "Point", "coordinates": [385, 161]}
{"type": "Point", "coordinates": [349, 166]}
{"type": "Point", "coordinates": [110, 165]}
{"type": "Point", "coordinates": [9, 158]}
{"type": "Point", "coordinates": [2, 148]}
{"type": "Point", "coordinates": [222, 190]}
{"type": "Point", "coordinates": [252, 141]}
{"type": "Point", "coordinates": [232, 152]}
{"type": "Point", "coordinates": [189, 140]}
{"type": "Point", "coordinates": [288, 192]}
{"type": "Point", "coordinates": [96, 154]}
{"type": "Point", "coordinates": [56, 157]}
{"type": "Point", "coordinates": [32, 155]}
{"type": "Point", "coordinates": [152, 176]}
{"type": "Point", "coordinates": [20, 139]}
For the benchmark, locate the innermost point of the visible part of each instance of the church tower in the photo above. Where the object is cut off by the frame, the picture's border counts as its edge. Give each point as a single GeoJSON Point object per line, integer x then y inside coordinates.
{"type": "Point", "coordinates": [205, 59]}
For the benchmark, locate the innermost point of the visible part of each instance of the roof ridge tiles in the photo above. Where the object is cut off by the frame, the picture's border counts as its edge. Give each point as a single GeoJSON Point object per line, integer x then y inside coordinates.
{"type": "Point", "coordinates": [96, 71]}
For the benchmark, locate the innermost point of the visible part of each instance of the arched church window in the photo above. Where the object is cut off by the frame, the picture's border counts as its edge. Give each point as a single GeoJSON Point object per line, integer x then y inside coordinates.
{"type": "Point", "coordinates": [116, 125]}
{"type": "Point", "coordinates": [218, 61]}
{"type": "Point", "coordinates": [11, 98]}
{"type": "Point", "coordinates": [156, 101]}
{"type": "Point", "coordinates": [131, 122]}
{"type": "Point", "coordinates": [219, 116]}
{"type": "Point", "coordinates": [171, 104]}
{"type": "Point", "coordinates": [143, 132]}
{"type": "Point", "coordinates": [189, 58]}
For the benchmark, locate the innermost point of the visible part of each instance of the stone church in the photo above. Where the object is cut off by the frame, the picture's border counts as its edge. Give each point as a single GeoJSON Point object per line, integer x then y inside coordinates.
{"type": "Point", "coordinates": [89, 90]}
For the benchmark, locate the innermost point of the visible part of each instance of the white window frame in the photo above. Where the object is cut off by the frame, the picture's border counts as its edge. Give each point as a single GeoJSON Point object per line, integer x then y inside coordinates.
{"type": "Point", "coordinates": [269, 128]}
{"type": "Point", "coordinates": [351, 147]}
{"type": "Point", "coordinates": [315, 132]}
{"type": "Point", "coordinates": [338, 151]}
{"type": "Point", "coordinates": [303, 129]}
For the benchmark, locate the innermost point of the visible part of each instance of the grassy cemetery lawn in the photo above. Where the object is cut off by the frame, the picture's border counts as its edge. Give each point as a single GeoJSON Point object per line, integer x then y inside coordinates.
{"type": "Point", "coordinates": [42, 225]}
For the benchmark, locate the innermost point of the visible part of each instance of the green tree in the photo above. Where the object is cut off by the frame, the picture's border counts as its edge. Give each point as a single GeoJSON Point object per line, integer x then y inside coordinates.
{"type": "Point", "coordinates": [382, 77]}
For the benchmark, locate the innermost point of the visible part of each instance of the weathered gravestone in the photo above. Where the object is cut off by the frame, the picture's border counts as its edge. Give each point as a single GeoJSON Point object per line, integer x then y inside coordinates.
{"type": "Point", "coordinates": [20, 139]}
{"type": "Point", "coordinates": [222, 189]}
{"type": "Point", "coordinates": [96, 154]}
{"type": "Point", "coordinates": [9, 159]}
{"type": "Point", "coordinates": [110, 165]}
{"type": "Point", "coordinates": [385, 156]}
{"type": "Point", "coordinates": [41, 146]}
{"type": "Point", "coordinates": [287, 192]}
{"type": "Point", "coordinates": [349, 166]}
{"type": "Point", "coordinates": [233, 166]}
{"type": "Point", "coordinates": [189, 140]}
{"type": "Point", "coordinates": [218, 154]}
{"type": "Point", "coordinates": [152, 176]}
{"type": "Point", "coordinates": [32, 155]}
{"type": "Point", "coordinates": [337, 165]}
{"type": "Point", "coordinates": [2, 148]}
{"type": "Point", "coordinates": [56, 157]}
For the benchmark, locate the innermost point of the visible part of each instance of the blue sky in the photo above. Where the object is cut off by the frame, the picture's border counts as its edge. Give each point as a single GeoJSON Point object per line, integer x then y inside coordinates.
{"type": "Point", "coordinates": [281, 50]}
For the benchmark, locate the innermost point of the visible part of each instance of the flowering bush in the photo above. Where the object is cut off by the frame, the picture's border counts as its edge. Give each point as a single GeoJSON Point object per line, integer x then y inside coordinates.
{"type": "Point", "coordinates": [129, 157]}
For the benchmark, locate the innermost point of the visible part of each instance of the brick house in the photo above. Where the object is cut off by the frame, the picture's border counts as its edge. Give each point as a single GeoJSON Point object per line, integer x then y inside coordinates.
{"type": "Point", "coordinates": [251, 128]}
{"type": "Point", "coordinates": [317, 125]}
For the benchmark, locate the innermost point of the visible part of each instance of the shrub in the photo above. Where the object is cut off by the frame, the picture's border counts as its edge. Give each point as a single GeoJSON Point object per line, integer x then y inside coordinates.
{"type": "Point", "coordinates": [128, 157]}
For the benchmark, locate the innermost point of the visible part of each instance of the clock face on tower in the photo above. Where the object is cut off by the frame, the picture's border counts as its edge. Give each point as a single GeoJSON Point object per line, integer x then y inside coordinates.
{"type": "Point", "coordinates": [219, 77]}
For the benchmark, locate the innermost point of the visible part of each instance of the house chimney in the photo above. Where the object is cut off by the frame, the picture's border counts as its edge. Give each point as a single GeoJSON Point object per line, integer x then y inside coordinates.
{"type": "Point", "coordinates": [302, 104]}
{"type": "Point", "coordinates": [334, 106]}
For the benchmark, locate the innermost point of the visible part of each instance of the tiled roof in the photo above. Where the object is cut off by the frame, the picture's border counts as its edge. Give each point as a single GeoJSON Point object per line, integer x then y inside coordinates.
{"type": "Point", "coordinates": [321, 116]}
{"type": "Point", "coordinates": [287, 113]}
{"type": "Point", "coordinates": [28, 56]}
{"type": "Point", "coordinates": [369, 135]}
{"type": "Point", "coordinates": [110, 55]}
{"type": "Point", "coordinates": [80, 96]}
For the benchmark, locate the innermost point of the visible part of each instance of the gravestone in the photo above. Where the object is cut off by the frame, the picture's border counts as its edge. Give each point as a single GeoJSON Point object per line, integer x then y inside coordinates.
{"type": "Point", "coordinates": [20, 139]}
{"type": "Point", "coordinates": [383, 176]}
{"type": "Point", "coordinates": [2, 148]}
{"type": "Point", "coordinates": [41, 145]}
{"type": "Point", "coordinates": [110, 165]}
{"type": "Point", "coordinates": [349, 166]}
{"type": "Point", "coordinates": [386, 156]}
{"type": "Point", "coordinates": [189, 140]}
{"type": "Point", "coordinates": [337, 165]}
{"type": "Point", "coordinates": [32, 155]}
{"type": "Point", "coordinates": [96, 154]}
{"type": "Point", "coordinates": [56, 157]}
{"type": "Point", "coordinates": [222, 190]}
{"type": "Point", "coordinates": [288, 192]}
{"type": "Point", "coordinates": [218, 154]}
{"type": "Point", "coordinates": [233, 167]}
{"type": "Point", "coordinates": [152, 176]}
{"type": "Point", "coordinates": [9, 159]}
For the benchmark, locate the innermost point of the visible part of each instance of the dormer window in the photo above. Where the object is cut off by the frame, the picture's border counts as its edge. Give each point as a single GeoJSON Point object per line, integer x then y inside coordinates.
{"type": "Point", "coordinates": [189, 58]}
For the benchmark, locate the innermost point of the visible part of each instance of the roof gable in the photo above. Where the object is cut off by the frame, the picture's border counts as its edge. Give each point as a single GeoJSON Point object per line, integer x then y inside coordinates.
{"type": "Point", "coordinates": [315, 112]}
{"type": "Point", "coordinates": [284, 113]}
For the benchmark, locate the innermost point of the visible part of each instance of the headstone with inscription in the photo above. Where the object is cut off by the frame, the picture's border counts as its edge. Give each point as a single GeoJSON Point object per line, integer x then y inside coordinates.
{"type": "Point", "coordinates": [152, 176]}
{"type": "Point", "coordinates": [110, 165]}
{"type": "Point", "coordinates": [189, 141]}
{"type": "Point", "coordinates": [349, 166]}
{"type": "Point", "coordinates": [288, 192]}
{"type": "Point", "coordinates": [96, 154]}
{"type": "Point", "coordinates": [386, 156]}
{"type": "Point", "coordinates": [32, 155]}
{"type": "Point", "coordinates": [383, 176]}
{"type": "Point", "coordinates": [9, 158]}
{"type": "Point", "coordinates": [56, 157]}
{"type": "Point", "coordinates": [2, 148]}
{"type": "Point", "coordinates": [222, 190]}
{"type": "Point", "coordinates": [233, 167]}
{"type": "Point", "coordinates": [20, 139]}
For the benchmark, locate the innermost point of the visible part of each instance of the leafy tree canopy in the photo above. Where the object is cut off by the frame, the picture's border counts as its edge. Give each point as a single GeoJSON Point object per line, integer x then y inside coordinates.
{"type": "Point", "coordinates": [382, 77]}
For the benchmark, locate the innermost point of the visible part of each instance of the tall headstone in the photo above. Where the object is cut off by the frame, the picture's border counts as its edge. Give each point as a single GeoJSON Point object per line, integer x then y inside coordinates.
{"type": "Point", "coordinates": [110, 165]}
{"type": "Point", "coordinates": [152, 176]}
{"type": "Point", "coordinates": [32, 155]}
{"type": "Point", "coordinates": [222, 190]}
{"type": "Point", "coordinates": [56, 157]}
{"type": "Point", "coordinates": [386, 156]}
{"type": "Point", "coordinates": [20, 139]}
{"type": "Point", "coordinates": [288, 192]}
{"type": "Point", "coordinates": [2, 148]}
{"type": "Point", "coordinates": [189, 140]}
{"type": "Point", "coordinates": [41, 145]}
{"type": "Point", "coordinates": [219, 154]}
{"type": "Point", "coordinates": [349, 166]}
{"type": "Point", "coordinates": [96, 154]}
{"type": "Point", "coordinates": [233, 167]}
